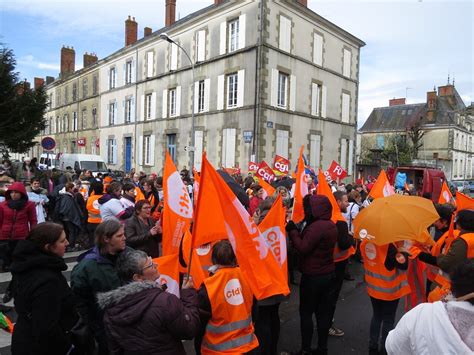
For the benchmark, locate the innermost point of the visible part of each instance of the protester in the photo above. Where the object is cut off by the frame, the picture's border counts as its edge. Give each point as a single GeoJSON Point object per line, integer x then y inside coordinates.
{"type": "Point", "coordinates": [43, 300]}
{"type": "Point", "coordinates": [141, 232]}
{"type": "Point", "coordinates": [128, 195]}
{"type": "Point", "coordinates": [68, 212]}
{"type": "Point", "coordinates": [353, 209]}
{"type": "Point", "coordinates": [38, 195]}
{"type": "Point", "coordinates": [440, 327]}
{"type": "Point", "coordinates": [93, 210]}
{"type": "Point", "coordinates": [257, 197]}
{"type": "Point", "coordinates": [386, 281]}
{"type": "Point", "coordinates": [140, 317]}
{"type": "Point", "coordinates": [26, 172]}
{"type": "Point", "coordinates": [315, 244]}
{"type": "Point", "coordinates": [95, 272]}
{"type": "Point", "coordinates": [110, 205]}
{"type": "Point", "coordinates": [226, 320]}
{"type": "Point", "coordinates": [151, 194]}
{"type": "Point", "coordinates": [441, 226]}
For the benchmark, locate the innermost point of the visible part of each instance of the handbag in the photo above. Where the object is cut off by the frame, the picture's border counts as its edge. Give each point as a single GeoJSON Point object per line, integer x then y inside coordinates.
{"type": "Point", "coordinates": [83, 338]}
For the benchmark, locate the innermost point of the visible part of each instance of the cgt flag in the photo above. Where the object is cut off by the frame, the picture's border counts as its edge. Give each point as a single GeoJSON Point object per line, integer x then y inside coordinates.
{"type": "Point", "coordinates": [301, 189]}
{"type": "Point", "coordinates": [281, 165]}
{"type": "Point", "coordinates": [168, 267]}
{"type": "Point", "coordinates": [445, 196]}
{"type": "Point", "coordinates": [253, 167]}
{"type": "Point", "coordinates": [336, 171]}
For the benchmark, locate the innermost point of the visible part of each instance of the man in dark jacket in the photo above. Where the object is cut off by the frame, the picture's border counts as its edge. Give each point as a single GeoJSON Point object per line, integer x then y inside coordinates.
{"type": "Point", "coordinates": [140, 317]}
{"type": "Point", "coordinates": [315, 244]}
{"type": "Point", "coordinates": [69, 213]}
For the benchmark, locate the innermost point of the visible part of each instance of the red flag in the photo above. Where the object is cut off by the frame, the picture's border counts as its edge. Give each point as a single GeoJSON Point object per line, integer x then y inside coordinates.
{"type": "Point", "coordinates": [336, 171]}
{"type": "Point", "coordinates": [382, 187]}
{"type": "Point", "coordinates": [301, 189]}
{"type": "Point", "coordinates": [253, 167]}
{"type": "Point", "coordinates": [324, 189]}
{"type": "Point", "coordinates": [178, 208]}
{"type": "Point", "coordinates": [265, 172]}
{"type": "Point", "coordinates": [168, 267]}
{"type": "Point", "coordinates": [281, 165]}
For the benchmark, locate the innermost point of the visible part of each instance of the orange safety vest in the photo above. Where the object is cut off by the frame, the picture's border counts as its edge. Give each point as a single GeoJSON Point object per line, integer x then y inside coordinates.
{"type": "Point", "coordinates": [139, 194]}
{"type": "Point", "coordinates": [382, 284]}
{"type": "Point", "coordinates": [443, 243]}
{"type": "Point", "coordinates": [341, 255]}
{"type": "Point", "coordinates": [93, 212]}
{"type": "Point", "coordinates": [230, 329]}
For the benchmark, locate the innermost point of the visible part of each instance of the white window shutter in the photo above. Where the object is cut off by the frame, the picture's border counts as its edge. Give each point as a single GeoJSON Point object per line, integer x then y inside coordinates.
{"type": "Point", "coordinates": [242, 31]}
{"type": "Point", "coordinates": [346, 102]}
{"type": "Point", "coordinates": [351, 158]}
{"type": "Point", "coordinates": [133, 71]}
{"type": "Point", "coordinates": [201, 45]}
{"type": "Point", "coordinates": [165, 104]}
{"type": "Point", "coordinates": [318, 49]}
{"type": "Point", "coordinates": [315, 151]}
{"type": "Point", "coordinates": [116, 77]}
{"type": "Point", "coordinates": [178, 101]}
{"type": "Point", "coordinates": [274, 93]}
{"type": "Point", "coordinates": [153, 106]}
{"type": "Point", "coordinates": [108, 79]}
{"type": "Point", "coordinates": [285, 34]}
{"type": "Point", "coordinates": [292, 92]}
{"type": "Point", "coordinates": [240, 87]}
{"type": "Point", "coordinates": [152, 150]}
{"type": "Point", "coordinates": [124, 74]}
{"type": "Point", "coordinates": [140, 150]}
{"type": "Point", "coordinates": [228, 147]}
{"type": "Point", "coordinates": [343, 159]}
{"type": "Point", "coordinates": [346, 66]}
{"type": "Point", "coordinates": [323, 101]}
{"type": "Point", "coordinates": [198, 144]}
{"type": "Point", "coordinates": [132, 109]}
{"type": "Point", "coordinates": [220, 92]}
{"type": "Point", "coordinates": [223, 38]}
{"type": "Point", "coordinates": [141, 117]}
{"type": "Point", "coordinates": [149, 64]}
{"type": "Point", "coordinates": [314, 99]}
{"type": "Point", "coordinates": [106, 118]}
{"type": "Point", "coordinates": [174, 56]}
{"type": "Point", "coordinates": [116, 112]}
{"type": "Point", "coordinates": [114, 151]}
{"type": "Point", "coordinates": [196, 96]}
{"type": "Point", "coordinates": [207, 90]}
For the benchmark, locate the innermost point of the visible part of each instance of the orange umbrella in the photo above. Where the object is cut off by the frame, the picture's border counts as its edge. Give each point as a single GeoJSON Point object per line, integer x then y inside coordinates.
{"type": "Point", "coordinates": [395, 218]}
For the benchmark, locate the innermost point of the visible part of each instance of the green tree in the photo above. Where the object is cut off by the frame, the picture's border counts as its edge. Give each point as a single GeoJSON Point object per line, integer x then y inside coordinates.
{"type": "Point", "coordinates": [21, 108]}
{"type": "Point", "coordinates": [397, 151]}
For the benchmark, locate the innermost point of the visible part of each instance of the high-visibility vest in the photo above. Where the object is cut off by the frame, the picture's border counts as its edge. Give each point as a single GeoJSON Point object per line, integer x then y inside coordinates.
{"type": "Point", "coordinates": [93, 212]}
{"type": "Point", "coordinates": [382, 284]}
{"type": "Point", "coordinates": [139, 194]}
{"type": "Point", "coordinates": [442, 244]}
{"type": "Point", "coordinates": [341, 255]}
{"type": "Point", "coordinates": [230, 329]}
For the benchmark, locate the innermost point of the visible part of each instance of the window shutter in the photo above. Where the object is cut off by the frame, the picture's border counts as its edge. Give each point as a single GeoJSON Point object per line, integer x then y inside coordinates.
{"type": "Point", "coordinates": [318, 49]}
{"type": "Point", "coordinates": [124, 74]}
{"type": "Point", "coordinates": [196, 97]}
{"type": "Point", "coordinates": [165, 104]}
{"type": "Point", "coordinates": [292, 92]}
{"type": "Point", "coordinates": [198, 144]}
{"type": "Point", "coordinates": [107, 117]}
{"type": "Point", "coordinates": [201, 46]}
{"type": "Point", "coordinates": [133, 71]}
{"type": "Point", "coordinates": [132, 109]}
{"type": "Point", "coordinates": [140, 150]}
{"type": "Point", "coordinates": [114, 151]}
{"type": "Point", "coordinates": [153, 106]}
{"type": "Point", "coordinates": [346, 102]}
{"type": "Point", "coordinates": [116, 77]}
{"type": "Point", "coordinates": [141, 117]}
{"type": "Point", "coordinates": [242, 31]}
{"type": "Point", "coordinates": [285, 34]}
{"type": "Point", "coordinates": [240, 87]}
{"type": "Point", "coordinates": [116, 112]}
{"type": "Point", "coordinates": [149, 64]}
{"type": "Point", "coordinates": [346, 67]}
{"type": "Point", "coordinates": [220, 92]}
{"type": "Point", "coordinates": [178, 101]}
{"type": "Point", "coordinates": [152, 150]}
{"type": "Point", "coordinates": [108, 78]}
{"type": "Point", "coordinates": [351, 158]}
{"type": "Point", "coordinates": [282, 143]}
{"type": "Point", "coordinates": [207, 89]}
{"type": "Point", "coordinates": [274, 93]}
{"type": "Point", "coordinates": [228, 147]}
{"type": "Point", "coordinates": [223, 38]}
{"type": "Point", "coordinates": [174, 56]}
{"type": "Point", "coordinates": [315, 151]}
{"type": "Point", "coordinates": [314, 99]}
{"type": "Point", "coordinates": [343, 159]}
{"type": "Point", "coordinates": [323, 101]}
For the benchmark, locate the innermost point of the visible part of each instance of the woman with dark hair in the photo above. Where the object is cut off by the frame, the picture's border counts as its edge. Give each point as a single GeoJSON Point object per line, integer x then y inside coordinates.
{"type": "Point", "coordinates": [151, 194]}
{"type": "Point", "coordinates": [257, 197]}
{"type": "Point", "coordinates": [141, 232]}
{"type": "Point", "coordinates": [26, 171]}
{"type": "Point", "coordinates": [128, 195]}
{"type": "Point", "coordinates": [95, 272]}
{"type": "Point", "coordinates": [43, 300]}
{"type": "Point", "coordinates": [68, 211]}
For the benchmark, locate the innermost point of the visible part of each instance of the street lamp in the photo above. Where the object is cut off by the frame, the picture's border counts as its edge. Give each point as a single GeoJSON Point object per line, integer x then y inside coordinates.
{"type": "Point", "coordinates": [167, 38]}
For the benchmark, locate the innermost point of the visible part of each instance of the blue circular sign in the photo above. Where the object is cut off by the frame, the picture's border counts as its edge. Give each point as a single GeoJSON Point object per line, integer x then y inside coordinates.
{"type": "Point", "coordinates": [48, 143]}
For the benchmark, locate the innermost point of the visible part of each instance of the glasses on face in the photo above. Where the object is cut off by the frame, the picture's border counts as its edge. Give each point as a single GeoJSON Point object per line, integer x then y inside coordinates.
{"type": "Point", "coordinates": [150, 264]}
{"type": "Point", "coordinates": [146, 208]}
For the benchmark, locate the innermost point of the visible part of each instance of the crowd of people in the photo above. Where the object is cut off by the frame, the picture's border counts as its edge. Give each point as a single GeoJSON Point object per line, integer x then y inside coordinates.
{"type": "Point", "coordinates": [114, 304]}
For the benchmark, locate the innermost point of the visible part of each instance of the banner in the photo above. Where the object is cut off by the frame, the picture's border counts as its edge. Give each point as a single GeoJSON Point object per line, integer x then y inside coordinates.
{"type": "Point", "coordinates": [265, 172]}
{"type": "Point", "coordinates": [336, 171]}
{"type": "Point", "coordinates": [281, 165]}
{"type": "Point", "coordinates": [253, 167]}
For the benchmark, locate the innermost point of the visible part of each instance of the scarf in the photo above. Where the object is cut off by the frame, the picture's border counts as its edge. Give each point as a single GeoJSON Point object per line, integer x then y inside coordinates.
{"type": "Point", "coordinates": [17, 204]}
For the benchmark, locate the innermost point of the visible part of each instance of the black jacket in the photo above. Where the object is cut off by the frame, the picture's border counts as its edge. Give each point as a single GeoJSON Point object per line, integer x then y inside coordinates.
{"type": "Point", "coordinates": [43, 300]}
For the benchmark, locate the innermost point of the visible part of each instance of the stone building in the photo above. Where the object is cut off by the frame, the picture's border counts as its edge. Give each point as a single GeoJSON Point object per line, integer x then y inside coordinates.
{"type": "Point", "coordinates": [269, 77]}
{"type": "Point", "coordinates": [447, 124]}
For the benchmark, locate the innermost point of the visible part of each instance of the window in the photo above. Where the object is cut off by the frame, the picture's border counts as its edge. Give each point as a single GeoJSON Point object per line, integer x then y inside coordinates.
{"type": "Point", "coordinates": [282, 90]}
{"type": "Point", "coordinates": [84, 119]}
{"type": "Point", "coordinates": [85, 85]}
{"type": "Point", "coordinates": [171, 142]}
{"type": "Point", "coordinates": [318, 41]}
{"type": "Point", "coordinates": [111, 113]}
{"type": "Point", "coordinates": [66, 123]}
{"type": "Point", "coordinates": [455, 168]}
{"type": "Point", "coordinates": [233, 35]}
{"type": "Point", "coordinates": [232, 86]}
{"type": "Point", "coordinates": [346, 104]}
{"type": "Point", "coordinates": [112, 77]}
{"type": "Point", "coordinates": [128, 110]}
{"type": "Point", "coordinates": [282, 138]}
{"type": "Point", "coordinates": [149, 64]}
{"type": "Point", "coordinates": [343, 158]}
{"type": "Point", "coordinates": [128, 72]}
{"type": "Point", "coordinates": [95, 85]}
{"type": "Point", "coordinates": [57, 125]}
{"type": "Point", "coordinates": [50, 103]}
{"type": "Point", "coordinates": [147, 110]}
{"type": "Point", "coordinates": [147, 145]}
{"type": "Point", "coordinates": [315, 151]}
{"type": "Point", "coordinates": [111, 151]}
{"type": "Point", "coordinates": [94, 117]}
{"type": "Point", "coordinates": [50, 125]}
{"type": "Point", "coordinates": [200, 94]}
{"type": "Point", "coordinates": [172, 102]}
{"type": "Point", "coordinates": [74, 92]}
{"type": "Point", "coordinates": [285, 34]}
{"type": "Point", "coordinates": [173, 56]}
{"type": "Point", "coordinates": [316, 99]}
{"type": "Point", "coordinates": [228, 147]}
{"type": "Point", "coordinates": [58, 97]}
{"type": "Point", "coordinates": [346, 64]}
{"type": "Point", "coordinates": [198, 144]}
{"type": "Point", "coordinates": [66, 95]}
{"type": "Point", "coordinates": [74, 121]}
{"type": "Point", "coordinates": [201, 46]}
{"type": "Point", "coordinates": [380, 142]}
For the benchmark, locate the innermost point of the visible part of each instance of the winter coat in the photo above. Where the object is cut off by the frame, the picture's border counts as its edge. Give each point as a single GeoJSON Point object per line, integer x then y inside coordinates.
{"type": "Point", "coordinates": [67, 209]}
{"type": "Point", "coordinates": [40, 199]}
{"type": "Point", "coordinates": [139, 236]}
{"type": "Point", "coordinates": [111, 207]}
{"type": "Point", "coordinates": [141, 318]}
{"type": "Point", "coordinates": [434, 328]}
{"type": "Point", "coordinates": [316, 242]}
{"type": "Point", "coordinates": [16, 224]}
{"type": "Point", "coordinates": [254, 202]}
{"type": "Point", "coordinates": [43, 301]}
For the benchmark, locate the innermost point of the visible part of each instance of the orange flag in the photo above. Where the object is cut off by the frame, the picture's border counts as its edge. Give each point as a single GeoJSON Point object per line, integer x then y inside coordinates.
{"type": "Point", "coordinates": [324, 189]}
{"type": "Point", "coordinates": [196, 177]}
{"type": "Point", "coordinates": [269, 189]}
{"type": "Point", "coordinates": [445, 196]}
{"type": "Point", "coordinates": [382, 187]}
{"type": "Point", "coordinates": [464, 202]}
{"type": "Point", "coordinates": [177, 206]}
{"type": "Point", "coordinates": [168, 267]}
{"type": "Point", "coordinates": [257, 263]}
{"type": "Point", "coordinates": [301, 190]}
{"type": "Point", "coordinates": [197, 271]}
{"type": "Point", "coordinates": [273, 230]}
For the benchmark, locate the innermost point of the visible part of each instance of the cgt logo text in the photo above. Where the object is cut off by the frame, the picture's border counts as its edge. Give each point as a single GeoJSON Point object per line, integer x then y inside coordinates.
{"type": "Point", "coordinates": [233, 292]}
{"type": "Point", "coordinates": [265, 175]}
{"type": "Point", "coordinates": [283, 168]}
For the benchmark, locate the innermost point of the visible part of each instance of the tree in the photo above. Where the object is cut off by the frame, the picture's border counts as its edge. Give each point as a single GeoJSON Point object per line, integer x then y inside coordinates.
{"type": "Point", "coordinates": [397, 151]}
{"type": "Point", "coordinates": [416, 135]}
{"type": "Point", "coordinates": [21, 108]}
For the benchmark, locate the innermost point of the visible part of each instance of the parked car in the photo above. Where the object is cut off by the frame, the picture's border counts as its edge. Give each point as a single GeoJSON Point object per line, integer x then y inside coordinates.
{"type": "Point", "coordinates": [462, 186]}
{"type": "Point", "coordinates": [471, 186]}
{"type": "Point", "coordinates": [48, 161]}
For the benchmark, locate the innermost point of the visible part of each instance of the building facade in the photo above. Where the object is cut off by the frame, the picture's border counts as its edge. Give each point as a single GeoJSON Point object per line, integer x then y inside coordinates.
{"type": "Point", "coordinates": [269, 76]}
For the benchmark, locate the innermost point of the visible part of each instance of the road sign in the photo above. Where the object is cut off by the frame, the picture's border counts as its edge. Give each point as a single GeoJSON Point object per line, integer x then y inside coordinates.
{"type": "Point", "coordinates": [248, 135]}
{"type": "Point", "coordinates": [189, 149]}
{"type": "Point", "coordinates": [48, 143]}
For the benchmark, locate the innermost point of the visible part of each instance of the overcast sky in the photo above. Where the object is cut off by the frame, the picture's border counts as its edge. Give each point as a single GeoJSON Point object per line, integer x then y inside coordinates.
{"type": "Point", "coordinates": [412, 45]}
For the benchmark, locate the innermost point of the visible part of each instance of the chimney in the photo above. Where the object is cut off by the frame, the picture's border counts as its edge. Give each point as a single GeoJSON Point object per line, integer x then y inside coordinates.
{"type": "Point", "coordinates": [217, 2]}
{"type": "Point", "coordinates": [431, 103]}
{"type": "Point", "coordinates": [303, 2]}
{"type": "Point", "coordinates": [49, 79]}
{"type": "Point", "coordinates": [22, 87]}
{"type": "Point", "coordinates": [39, 82]}
{"type": "Point", "coordinates": [131, 31]}
{"type": "Point", "coordinates": [89, 59]}
{"type": "Point", "coordinates": [170, 12]}
{"type": "Point", "coordinates": [147, 31]}
{"type": "Point", "coordinates": [447, 90]}
{"type": "Point", "coordinates": [397, 102]}
{"type": "Point", "coordinates": [68, 58]}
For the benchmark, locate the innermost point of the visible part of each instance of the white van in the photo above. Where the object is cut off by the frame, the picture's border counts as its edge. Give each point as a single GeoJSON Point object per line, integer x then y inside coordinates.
{"type": "Point", "coordinates": [48, 161]}
{"type": "Point", "coordinates": [90, 162]}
